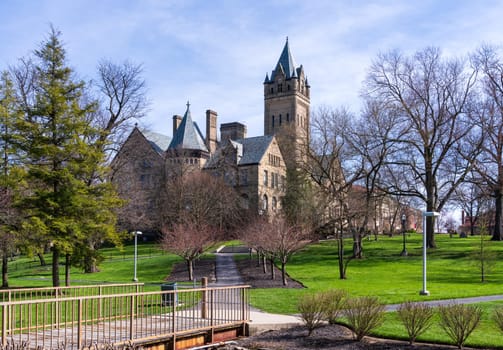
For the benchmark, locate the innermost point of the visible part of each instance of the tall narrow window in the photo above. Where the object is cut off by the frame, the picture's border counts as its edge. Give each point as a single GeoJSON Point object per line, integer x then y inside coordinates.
{"type": "Point", "coordinates": [264, 203]}
{"type": "Point", "coordinates": [273, 121]}
{"type": "Point", "coordinates": [274, 203]}
{"type": "Point", "coordinates": [266, 177]}
{"type": "Point", "coordinates": [280, 119]}
{"type": "Point", "coordinates": [288, 117]}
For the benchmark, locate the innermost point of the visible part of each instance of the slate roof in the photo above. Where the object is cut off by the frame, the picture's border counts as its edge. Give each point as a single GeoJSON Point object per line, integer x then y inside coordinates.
{"type": "Point", "coordinates": [285, 63]}
{"type": "Point", "coordinates": [254, 148]}
{"type": "Point", "coordinates": [188, 135]}
{"type": "Point", "coordinates": [159, 142]}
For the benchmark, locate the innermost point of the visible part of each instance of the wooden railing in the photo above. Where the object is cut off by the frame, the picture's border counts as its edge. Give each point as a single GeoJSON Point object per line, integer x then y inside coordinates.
{"type": "Point", "coordinates": [115, 319]}
{"type": "Point", "coordinates": [18, 294]}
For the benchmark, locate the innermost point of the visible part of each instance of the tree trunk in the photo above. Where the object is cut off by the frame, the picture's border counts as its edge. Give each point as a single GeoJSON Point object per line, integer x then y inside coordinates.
{"type": "Point", "coordinates": [273, 272]}
{"type": "Point", "coordinates": [55, 267]}
{"type": "Point", "coordinates": [264, 263]}
{"type": "Point", "coordinates": [5, 269]}
{"type": "Point", "coordinates": [41, 259]}
{"type": "Point", "coordinates": [340, 256]}
{"type": "Point", "coordinates": [283, 273]}
{"type": "Point", "coordinates": [357, 246]}
{"type": "Point", "coordinates": [190, 268]}
{"type": "Point", "coordinates": [68, 266]}
{"type": "Point", "coordinates": [497, 234]}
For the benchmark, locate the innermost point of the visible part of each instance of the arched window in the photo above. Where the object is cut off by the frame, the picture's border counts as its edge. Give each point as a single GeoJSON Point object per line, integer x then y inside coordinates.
{"type": "Point", "coordinates": [264, 203]}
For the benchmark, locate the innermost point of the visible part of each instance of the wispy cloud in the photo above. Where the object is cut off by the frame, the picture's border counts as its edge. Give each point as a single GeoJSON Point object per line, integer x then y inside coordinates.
{"type": "Point", "coordinates": [217, 53]}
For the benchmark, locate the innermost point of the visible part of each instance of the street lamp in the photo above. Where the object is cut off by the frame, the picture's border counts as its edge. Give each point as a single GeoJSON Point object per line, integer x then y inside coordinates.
{"type": "Point", "coordinates": [404, 220]}
{"type": "Point", "coordinates": [136, 234]}
{"type": "Point", "coordinates": [424, 291]}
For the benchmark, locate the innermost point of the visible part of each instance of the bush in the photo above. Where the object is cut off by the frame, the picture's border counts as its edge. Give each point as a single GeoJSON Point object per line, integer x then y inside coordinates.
{"type": "Point", "coordinates": [311, 311]}
{"type": "Point", "coordinates": [363, 315]}
{"type": "Point", "coordinates": [498, 317]}
{"type": "Point", "coordinates": [459, 321]}
{"type": "Point", "coordinates": [416, 317]}
{"type": "Point", "coordinates": [333, 302]}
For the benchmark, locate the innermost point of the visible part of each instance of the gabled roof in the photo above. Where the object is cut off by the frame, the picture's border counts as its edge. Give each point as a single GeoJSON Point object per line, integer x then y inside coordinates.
{"type": "Point", "coordinates": [188, 135]}
{"type": "Point", "coordinates": [248, 151]}
{"type": "Point", "coordinates": [285, 63]}
{"type": "Point", "coordinates": [254, 148]}
{"type": "Point", "coordinates": [159, 142]}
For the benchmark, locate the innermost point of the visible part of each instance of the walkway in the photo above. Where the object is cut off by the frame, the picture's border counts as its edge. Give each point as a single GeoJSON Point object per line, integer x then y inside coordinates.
{"type": "Point", "coordinates": [228, 274]}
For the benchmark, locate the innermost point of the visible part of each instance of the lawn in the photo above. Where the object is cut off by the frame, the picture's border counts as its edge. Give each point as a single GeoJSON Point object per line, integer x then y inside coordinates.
{"type": "Point", "coordinates": [452, 272]}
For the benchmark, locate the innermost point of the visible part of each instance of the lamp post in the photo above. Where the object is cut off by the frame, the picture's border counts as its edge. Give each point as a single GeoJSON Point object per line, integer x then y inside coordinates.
{"type": "Point", "coordinates": [404, 220]}
{"type": "Point", "coordinates": [136, 234]}
{"type": "Point", "coordinates": [426, 214]}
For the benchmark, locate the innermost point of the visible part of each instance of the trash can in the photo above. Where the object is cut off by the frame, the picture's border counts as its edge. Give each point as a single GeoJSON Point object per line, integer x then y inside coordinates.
{"type": "Point", "coordinates": [169, 299]}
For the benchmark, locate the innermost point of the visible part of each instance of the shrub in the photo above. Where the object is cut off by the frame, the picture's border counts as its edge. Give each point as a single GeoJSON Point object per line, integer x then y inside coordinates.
{"type": "Point", "coordinates": [459, 321]}
{"type": "Point", "coordinates": [498, 317]}
{"type": "Point", "coordinates": [363, 315]}
{"type": "Point", "coordinates": [416, 317]}
{"type": "Point", "coordinates": [333, 302]}
{"type": "Point", "coordinates": [311, 310]}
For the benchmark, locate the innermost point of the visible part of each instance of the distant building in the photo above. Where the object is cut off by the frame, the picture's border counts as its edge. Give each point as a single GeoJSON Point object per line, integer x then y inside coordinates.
{"type": "Point", "coordinates": [254, 166]}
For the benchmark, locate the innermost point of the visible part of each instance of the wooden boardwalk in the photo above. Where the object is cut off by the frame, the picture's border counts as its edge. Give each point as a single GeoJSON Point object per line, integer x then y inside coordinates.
{"type": "Point", "coordinates": [139, 318]}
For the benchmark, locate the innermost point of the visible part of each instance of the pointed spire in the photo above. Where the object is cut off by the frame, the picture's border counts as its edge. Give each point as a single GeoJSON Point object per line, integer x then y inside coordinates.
{"type": "Point", "coordinates": [286, 61]}
{"type": "Point", "coordinates": [187, 134]}
{"type": "Point", "coordinates": [266, 78]}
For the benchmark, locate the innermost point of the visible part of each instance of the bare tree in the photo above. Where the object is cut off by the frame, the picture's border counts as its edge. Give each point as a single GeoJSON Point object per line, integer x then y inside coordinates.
{"type": "Point", "coordinates": [200, 196]}
{"type": "Point", "coordinates": [432, 97]}
{"type": "Point", "coordinates": [334, 166]}
{"type": "Point", "coordinates": [489, 164]}
{"type": "Point", "coordinates": [278, 239]}
{"type": "Point", "coordinates": [122, 95]}
{"type": "Point", "coordinates": [189, 240]}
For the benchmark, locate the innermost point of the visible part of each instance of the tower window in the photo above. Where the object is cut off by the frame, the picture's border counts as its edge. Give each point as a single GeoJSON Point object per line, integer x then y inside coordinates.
{"type": "Point", "coordinates": [280, 119]}
{"type": "Point", "coordinates": [272, 90]}
{"type": "Point", "coordinates": [280, 87]}
{"type": "Point", "coordinates": [288, 87]}
{"type": "Point", "coordinates": [288, 116]}
{"type": "Point", "coordinates": [273, 121]}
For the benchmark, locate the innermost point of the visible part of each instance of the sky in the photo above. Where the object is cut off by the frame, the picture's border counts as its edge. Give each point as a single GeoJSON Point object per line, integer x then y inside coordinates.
{"type": "Point", "coordinates": [216, 53]}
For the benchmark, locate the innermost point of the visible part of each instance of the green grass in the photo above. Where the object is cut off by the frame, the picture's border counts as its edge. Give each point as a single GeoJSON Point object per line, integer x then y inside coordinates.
{"type": "Point", "coordinates": [451, 272]}
{"type": "Point", "coordinates": [153, 267]}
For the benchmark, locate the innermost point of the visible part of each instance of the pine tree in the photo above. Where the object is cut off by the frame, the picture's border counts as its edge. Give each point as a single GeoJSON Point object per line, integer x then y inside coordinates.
{"type": "Point", "coordinates": [63, 207]}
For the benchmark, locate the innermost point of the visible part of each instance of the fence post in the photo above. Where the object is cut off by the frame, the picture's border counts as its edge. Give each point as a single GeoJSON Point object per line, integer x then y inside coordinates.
{"type": "Point", "coordinates": [131, 319]}
{"type": "Point", "coordinates": [204, 298]}
{"type": "Point", "coordinates": [79, 324]}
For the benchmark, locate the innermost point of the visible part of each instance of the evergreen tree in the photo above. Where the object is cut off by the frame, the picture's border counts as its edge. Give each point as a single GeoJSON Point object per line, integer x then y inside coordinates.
{"type": "Point", "coordinates": [63, 208]}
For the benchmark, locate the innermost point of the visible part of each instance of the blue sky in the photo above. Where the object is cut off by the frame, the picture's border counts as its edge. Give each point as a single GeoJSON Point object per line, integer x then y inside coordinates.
{"type": "Point", "coordinates": [216, 53]}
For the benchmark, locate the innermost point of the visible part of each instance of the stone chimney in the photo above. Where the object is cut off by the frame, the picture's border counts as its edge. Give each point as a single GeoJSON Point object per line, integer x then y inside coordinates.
{"type": "Point", "coordinates": [177, 119]}
{"type": "Point", "coordinates": [211, 130]}
{"type": "Point", "coordinates": [233, 131]}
